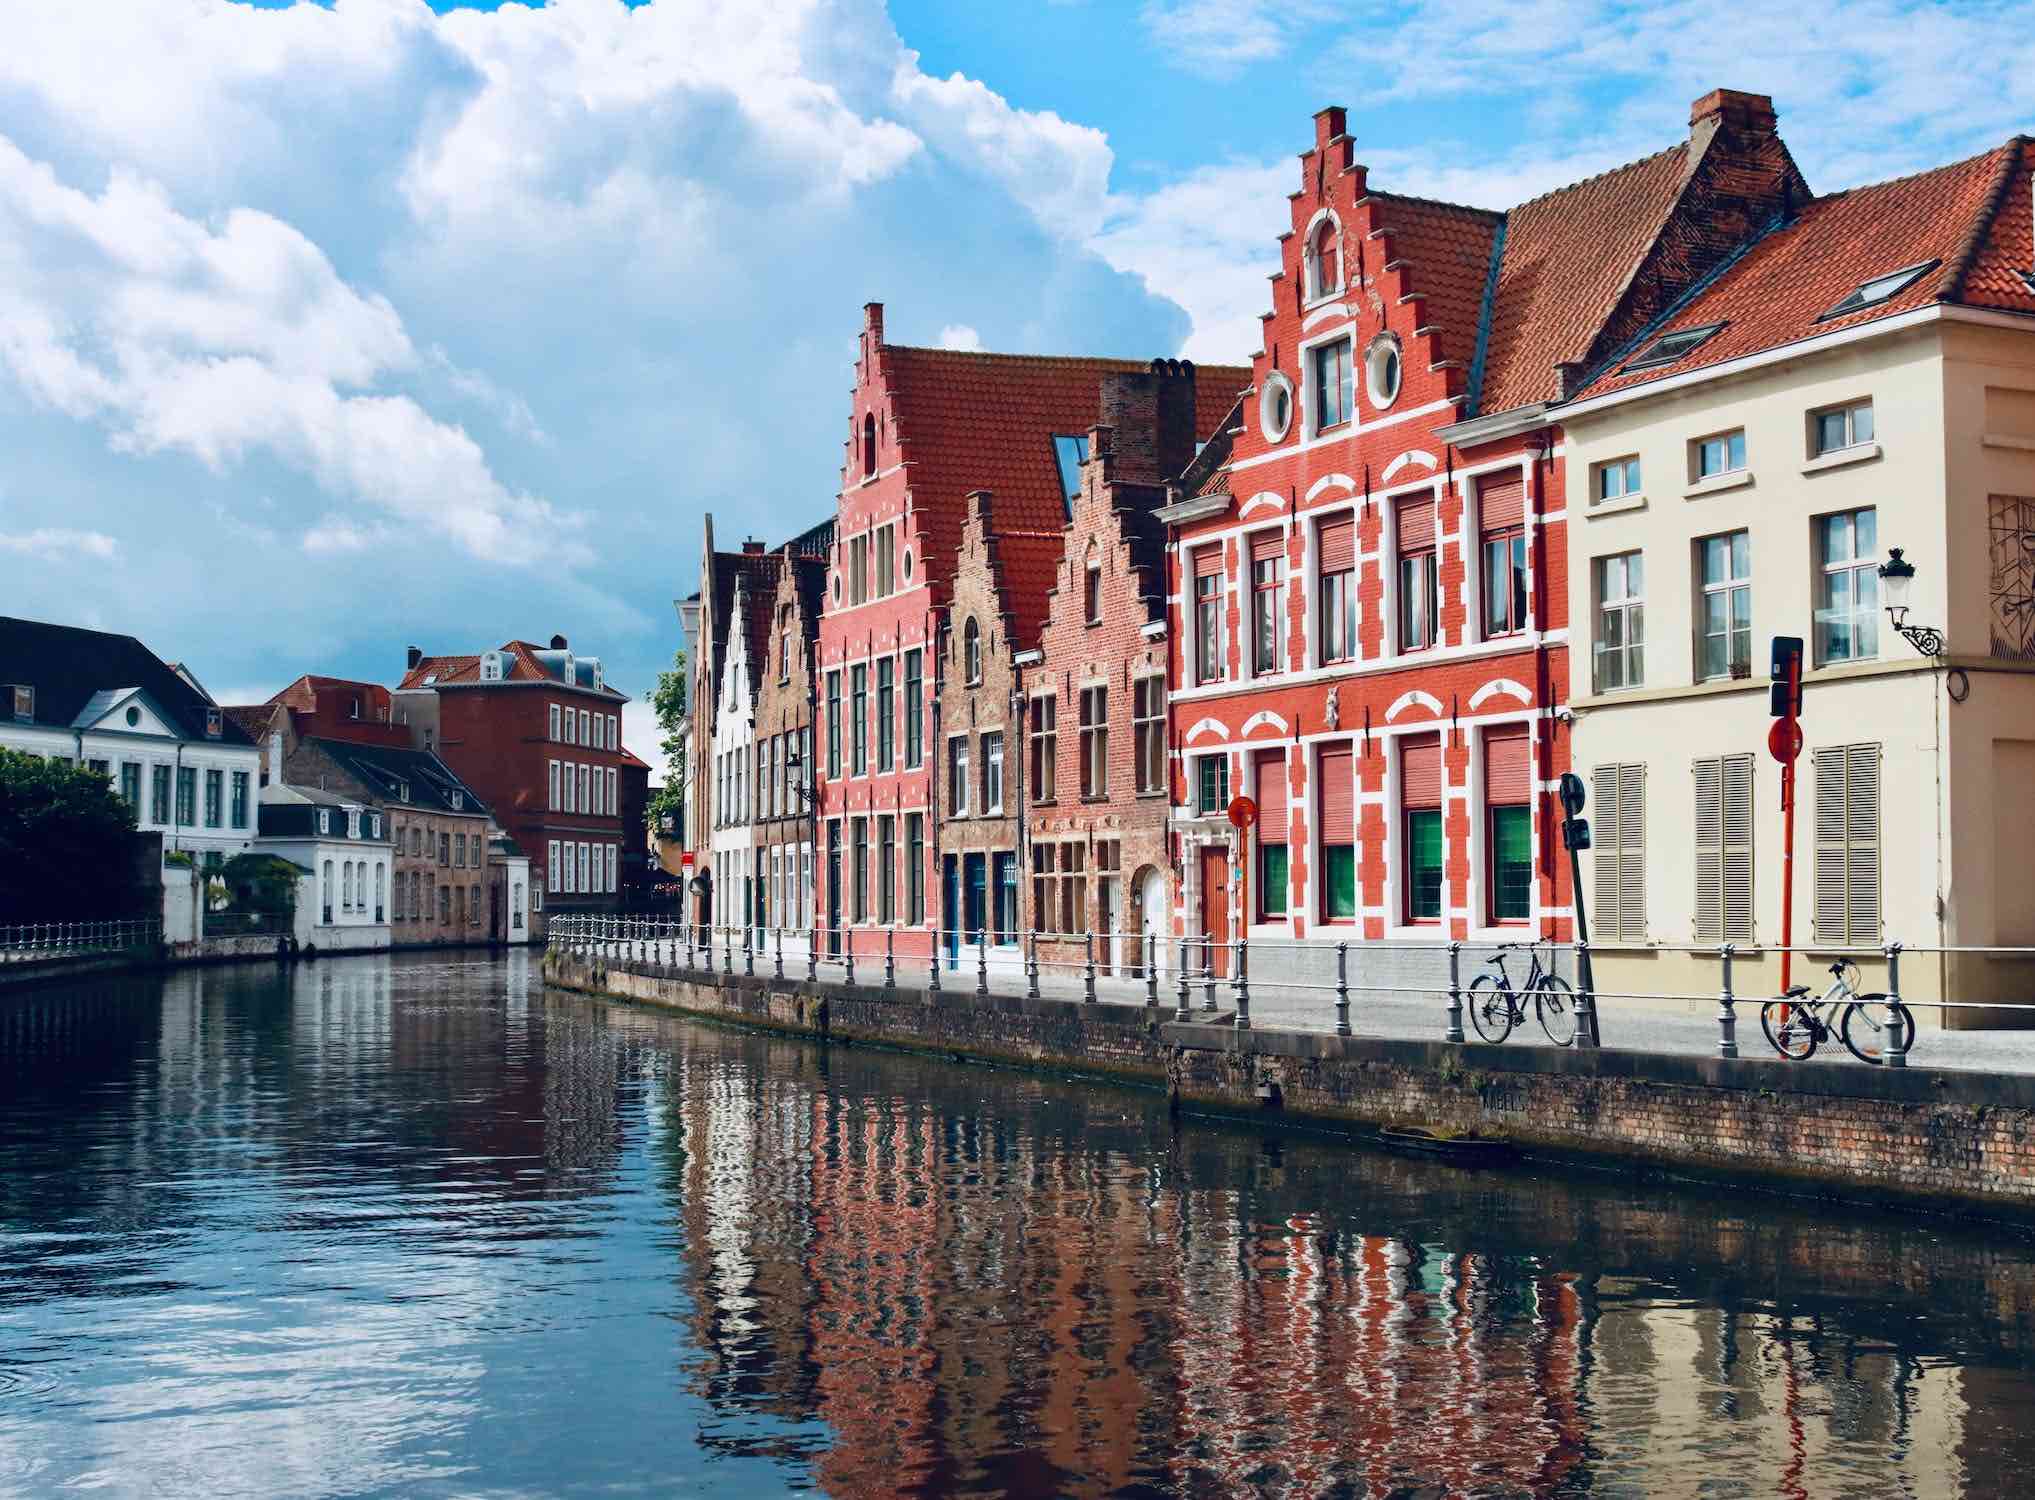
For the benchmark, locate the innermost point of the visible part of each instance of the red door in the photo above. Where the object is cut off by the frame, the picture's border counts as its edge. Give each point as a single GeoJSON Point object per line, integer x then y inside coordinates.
{"type": "Point", "coordinates": [1215, 908]}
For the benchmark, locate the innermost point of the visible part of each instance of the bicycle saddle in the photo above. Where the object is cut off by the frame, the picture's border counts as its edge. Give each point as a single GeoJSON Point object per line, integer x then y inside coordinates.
{"type": "Point", "coordinates": [1794, 991]}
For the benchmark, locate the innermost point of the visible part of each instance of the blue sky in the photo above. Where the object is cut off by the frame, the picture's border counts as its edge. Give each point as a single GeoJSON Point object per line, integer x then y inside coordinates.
{"type": "Point", "coordinates": [329, 330]}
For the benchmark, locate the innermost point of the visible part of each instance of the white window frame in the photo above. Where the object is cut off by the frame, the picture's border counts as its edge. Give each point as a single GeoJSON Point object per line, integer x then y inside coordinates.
{"type": "Point", "coordinates": [1732, 583]}
{"type": "Point", "coordinates": [1624, 604]}
{"type": "Point", "coordinates": [1858, 567]}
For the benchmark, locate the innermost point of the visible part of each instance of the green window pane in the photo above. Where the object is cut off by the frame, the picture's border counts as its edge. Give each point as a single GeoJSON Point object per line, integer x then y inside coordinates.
{"type": "Point", "coordinates": [1511, 864]}
{"type": "Point", "coordinates": [1423, 865]}
{"type": "Point", "coordinates": [1339, 880]}
{"type": "Point", "coordinates": [1272, 880]}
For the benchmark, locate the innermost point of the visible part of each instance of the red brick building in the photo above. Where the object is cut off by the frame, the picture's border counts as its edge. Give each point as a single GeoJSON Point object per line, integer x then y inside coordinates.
{"type": "Point", "coordinates": [926, 427]}
{"type": "Point", "coordinates": [1368, 580]}
{"type": "Point", "coordinates": [536, 731]}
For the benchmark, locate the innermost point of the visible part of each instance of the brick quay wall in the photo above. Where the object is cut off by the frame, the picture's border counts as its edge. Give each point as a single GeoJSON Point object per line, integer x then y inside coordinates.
{"type": "Point", "coordinates": [1961, 1142]}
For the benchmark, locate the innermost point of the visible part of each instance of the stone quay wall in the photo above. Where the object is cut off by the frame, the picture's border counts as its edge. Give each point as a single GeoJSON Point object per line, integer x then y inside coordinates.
{"type": "Point", "coordinates": [1961, 1142]}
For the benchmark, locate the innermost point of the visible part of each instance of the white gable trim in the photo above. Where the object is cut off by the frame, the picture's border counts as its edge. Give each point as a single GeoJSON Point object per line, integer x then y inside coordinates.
{"type": "Point", "coordinates": [1412, 699]}
{"type": "Point", "coordinates": [1496, 686]}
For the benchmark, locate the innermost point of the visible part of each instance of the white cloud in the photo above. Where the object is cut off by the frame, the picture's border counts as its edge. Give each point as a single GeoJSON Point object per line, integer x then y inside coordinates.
{"type": "Point", "coordinates": [1219, 38]}
{"type": "Point", "coordinates": [640, 733]}
{"type": "Point", "coordinates": [960, 336]}
{"type": "Point", "coordinates": [50, 542]}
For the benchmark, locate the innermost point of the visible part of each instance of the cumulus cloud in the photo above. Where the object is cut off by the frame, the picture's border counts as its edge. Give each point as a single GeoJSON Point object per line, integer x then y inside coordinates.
{"type": "Point", "coordinates": [49, 542]}
{"type": "Point", "coordinates": [960, 336]}
{"type": "Point", "coordinates": [1219, 38]}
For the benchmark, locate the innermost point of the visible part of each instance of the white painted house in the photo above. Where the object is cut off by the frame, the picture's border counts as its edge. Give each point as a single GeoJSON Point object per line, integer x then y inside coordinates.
{"type": "Point", "coordinates": [344, 850]}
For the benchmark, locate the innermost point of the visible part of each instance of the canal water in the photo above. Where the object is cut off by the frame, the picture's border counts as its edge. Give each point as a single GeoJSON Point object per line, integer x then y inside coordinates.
{"type": "Point", "coordinates": [422, 1227]}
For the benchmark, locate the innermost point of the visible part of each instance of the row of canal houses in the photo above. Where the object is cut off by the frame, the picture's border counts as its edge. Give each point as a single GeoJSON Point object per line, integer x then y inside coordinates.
{"type": "Point", "coordinates": [1067, 609]}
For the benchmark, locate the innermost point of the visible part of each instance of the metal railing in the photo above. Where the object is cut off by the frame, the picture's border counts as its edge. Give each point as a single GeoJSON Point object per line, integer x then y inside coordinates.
{"type": "Point", "coordinates": [45, 940]}
{"type": "Point", "coordinates": [1308, 983]}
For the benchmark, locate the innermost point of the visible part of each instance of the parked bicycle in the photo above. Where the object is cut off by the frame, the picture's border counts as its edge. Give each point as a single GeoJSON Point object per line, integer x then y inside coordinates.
{"type": "Point", "coordinates": [1495, 1007]}
{"type": "Point", "coordinates": [1796, 1025]}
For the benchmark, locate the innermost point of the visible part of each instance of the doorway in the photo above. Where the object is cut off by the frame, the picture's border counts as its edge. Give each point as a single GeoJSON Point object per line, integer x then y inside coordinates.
{"type": "Point", "coordinates": [950, 908]}
{"type": "Point", "coordinates": [1215, 910]}
{"type": "Point", "coordinates": [1152, 916]}
{"type": "Point", "coordinates": [833, 890]}
{"type": "Point", "coordinates": [1108, 919]}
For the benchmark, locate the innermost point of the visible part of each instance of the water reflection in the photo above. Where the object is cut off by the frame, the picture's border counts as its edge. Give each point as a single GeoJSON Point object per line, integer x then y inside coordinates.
{"type": "Point", "coordinates": [405, 1225]}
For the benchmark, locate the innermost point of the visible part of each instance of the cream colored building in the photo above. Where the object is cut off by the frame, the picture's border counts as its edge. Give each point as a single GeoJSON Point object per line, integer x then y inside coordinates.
{"type": "Point", "coordinates": [1862, 379]}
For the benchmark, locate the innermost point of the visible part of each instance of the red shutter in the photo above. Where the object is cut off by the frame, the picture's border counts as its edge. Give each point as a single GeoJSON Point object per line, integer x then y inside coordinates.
{"type": "Point", "coordinates": [1416, 523]}
{"type": "Point", "coordinates": [1501, 501]}
{"type": "Point", "coordinates": [1208, 562]}
{"type": "Point", "coordinates": [1339, 544]}
{"type": "Point", "coordinates": [1338, 796]}
{"type": "Point", "coordinates": [1270, 778]}
{"type": "Point", "coordinates": [1508, 775]}
{"type": "Point", "coordinates": [1268, 546]}
{"type": "Point", "coordinates": [1420, 772]}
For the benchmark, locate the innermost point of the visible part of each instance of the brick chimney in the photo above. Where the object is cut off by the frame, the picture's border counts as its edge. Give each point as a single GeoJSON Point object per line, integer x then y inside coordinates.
{"type": "Point", "coordinates": [416, 655]}
{"type": "Point", "coordinates": [752, 548]}
{"type": "Point", "coordinates": [1747, 118]}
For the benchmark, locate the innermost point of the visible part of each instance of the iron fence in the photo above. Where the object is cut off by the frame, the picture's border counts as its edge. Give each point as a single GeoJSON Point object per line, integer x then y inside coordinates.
{"type": "Point", "coordinates": [45, 940]}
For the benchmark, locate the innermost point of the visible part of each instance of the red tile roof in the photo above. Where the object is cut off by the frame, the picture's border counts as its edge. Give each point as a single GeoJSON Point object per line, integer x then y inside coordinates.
{"type": "Point", "coordinates": [967, 421]}
{"type": "Point", "coordinates": [1959, 216]}
{"type": "Point", "coordinates": [521, 664]}
{"type": "Point", "coordinates": [1449, 249]}
{"type": "Point", "coordinates": [1567, 258]}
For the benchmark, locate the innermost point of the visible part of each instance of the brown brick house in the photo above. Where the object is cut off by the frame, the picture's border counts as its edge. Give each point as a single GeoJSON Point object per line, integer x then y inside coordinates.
{"type": "Point", "coordinates": [785, 703]}
{"type": "Point", "coordinates": [1096, 701]}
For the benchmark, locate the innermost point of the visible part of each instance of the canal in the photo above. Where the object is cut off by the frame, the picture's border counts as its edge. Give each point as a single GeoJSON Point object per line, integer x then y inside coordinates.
{"type": "Point", "coordinates": [419, 1226]}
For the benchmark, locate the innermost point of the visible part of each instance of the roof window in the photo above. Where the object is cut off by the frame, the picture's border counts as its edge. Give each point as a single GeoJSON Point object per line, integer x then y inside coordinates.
{"type": "Point", "coordinates": [1670, 347]}
{"type": "Point", "coordinates": [24, 703]}
{"type": "Point", "coordinates": [1071, 452]}
{"type": "Point", "coordinates": [1880, 289]}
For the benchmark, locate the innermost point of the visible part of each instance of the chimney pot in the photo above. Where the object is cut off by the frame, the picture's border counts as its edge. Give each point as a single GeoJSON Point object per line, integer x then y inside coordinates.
{"type": "Point", "coordinates": [558, 643]}
{"type": "Point", "coordinates": [416, 655]}
{"type": "Point", "coordinates": [1734, 110]}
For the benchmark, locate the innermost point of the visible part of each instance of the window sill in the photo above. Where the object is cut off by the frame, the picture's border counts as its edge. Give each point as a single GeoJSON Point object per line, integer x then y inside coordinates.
{"type": "Point", "coordinates": [2008, 440]}
{"type": "Point", "coordinates": [1716, 484]}
{"type": "Point", "coordinates": [1619, 506]}
{"type": "Point", "coordinates": [1844, 458]}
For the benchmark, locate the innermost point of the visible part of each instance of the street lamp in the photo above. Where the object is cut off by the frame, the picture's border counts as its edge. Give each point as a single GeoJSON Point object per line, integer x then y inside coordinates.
{"type": "Point", "coordinates": [1897, 577]}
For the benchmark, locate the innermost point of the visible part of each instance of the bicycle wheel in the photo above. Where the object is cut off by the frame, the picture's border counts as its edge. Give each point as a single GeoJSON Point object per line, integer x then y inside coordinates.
{"type": "Point", "coordinates": [1555, 1000]}
{"type": "Point", "coordinates": [1795, 1038]}
{"type": "Point", "coordinates": [1491, 1008]}
{"type": "Point", "coordinates": [1868, 1025]}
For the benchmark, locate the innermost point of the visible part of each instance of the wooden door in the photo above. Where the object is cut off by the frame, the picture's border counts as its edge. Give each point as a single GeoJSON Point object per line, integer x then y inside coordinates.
{"type": "Point", "coordinates": [1215, 908]}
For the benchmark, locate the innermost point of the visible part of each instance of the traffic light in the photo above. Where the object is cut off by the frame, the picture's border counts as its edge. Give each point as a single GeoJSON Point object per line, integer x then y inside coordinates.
{"type": "Point", "coordinates": [1784, 698]}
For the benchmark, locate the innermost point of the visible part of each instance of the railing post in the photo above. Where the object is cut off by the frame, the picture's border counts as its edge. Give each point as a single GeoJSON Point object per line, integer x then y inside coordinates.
{"type": "Point", "coordinates": [748, 947]}
{"type": "Point", "coordinates": [813, 956]}
{"type": "Point", "coordinates": [1342, 989]}
{"type": "Point", "coordinates": [1152, 970]}
{"type": "Point", "coordinates": [1032, 965]}
{"type": "Point", "coordinates": [1897, 1038]}
{"type": "Point", "coordinates": [728, 950]}
{"type": "Point", "coordinates": [1243, 984]}
{"type": "Point", "coordinates": [1088, 969]}
{"type": "Point", "coordinates": [1587, 1030]}
{"type": "Point", "coordinates": [890, 958]}
{"type": "Point", "coordinates": [1727, 1014]}
{"type": "Point", "coordinates": [933, 963]}
{"type": "Point", "coordinates": [777, 938]}
{"type": "Point", "coordinates": [848, 958]}
{"type": "Point", "coordinates": [1455, 1031]}
{"type": "Point", "coordinates": [982, 961]}
{"type": "Point", "coordinates": [1183, 1009]}
{"type": "Point", "coordinates": [1208, 974]}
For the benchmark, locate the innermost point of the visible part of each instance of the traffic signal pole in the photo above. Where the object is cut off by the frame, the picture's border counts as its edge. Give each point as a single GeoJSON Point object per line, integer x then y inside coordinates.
{"type": "Point", "coordinates": [1784, 743]}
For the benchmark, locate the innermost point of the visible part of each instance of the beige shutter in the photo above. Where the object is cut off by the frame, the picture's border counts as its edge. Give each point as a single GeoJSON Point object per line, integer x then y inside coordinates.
{"type": "Point", "coordinates": [1709, 851]}
{"type": "Point", "coordinates": [1737, 779]}
{"type": "Point", "coordinates": [1632, 853]}
{"type": "Point", "coordinates": [1827, 764]}
{"type": "Point", "coordinates": [1862, 844]}
{"type": "Point", "coordinates": [1604, 794]}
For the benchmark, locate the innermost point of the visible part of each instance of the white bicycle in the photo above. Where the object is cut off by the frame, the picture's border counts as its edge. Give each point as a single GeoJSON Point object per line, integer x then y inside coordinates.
{"type": "Point", "coordinates": [1796, 1025]}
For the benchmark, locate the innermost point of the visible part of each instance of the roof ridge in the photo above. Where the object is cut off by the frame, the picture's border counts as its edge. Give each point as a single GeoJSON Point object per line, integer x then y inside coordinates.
{"type": "Point", "coordinates": [1062, 359]}
{"type": "Point", "coordinates": [1948, 166]}
{"type": "Point", "coordinates": [1960, 263]}
{"type": "Point", "coordinates": [1638, 161]}
{"type": "Point", "coordinates": [1468, 208]}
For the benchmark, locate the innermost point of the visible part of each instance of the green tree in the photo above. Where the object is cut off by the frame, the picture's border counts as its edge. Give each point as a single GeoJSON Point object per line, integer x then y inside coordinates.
{"type": "Point", "coordinates": [670, 703]}
{"type": "Point", "coordinates": [69, 851]}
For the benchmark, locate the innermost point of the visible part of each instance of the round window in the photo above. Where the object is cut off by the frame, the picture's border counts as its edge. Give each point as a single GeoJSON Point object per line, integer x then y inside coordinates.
{"type": "Point", "coordinates": [1275, 407]}
{"type": "Point", "coordinates": [907, 565]}
{"type": "Point", "coordinates": [133, 716]}
{"type": "Point", "coordinates": [1381, 371]}
{"type": "Point", "coordinates": [837, 588]}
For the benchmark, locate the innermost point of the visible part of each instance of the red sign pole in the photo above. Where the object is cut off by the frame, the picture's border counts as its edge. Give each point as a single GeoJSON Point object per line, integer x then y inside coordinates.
{"type": "Point", "coordinates": [1787, 869]}
{"type": "Point", "coordinates": [1784, 743]}
{"type": "Point", "coordinates": [1243, 812]}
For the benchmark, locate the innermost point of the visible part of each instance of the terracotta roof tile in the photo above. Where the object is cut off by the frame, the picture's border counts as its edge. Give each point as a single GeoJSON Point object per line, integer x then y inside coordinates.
{"type": "Point", "coordinates": [1449, 248]}
{"type": "Point", "coordinates": [1777, 291]}
{"type": "Point", "coordinates": [2001, 263]}
{"type": "Point", "coordinates": [1566, 259]}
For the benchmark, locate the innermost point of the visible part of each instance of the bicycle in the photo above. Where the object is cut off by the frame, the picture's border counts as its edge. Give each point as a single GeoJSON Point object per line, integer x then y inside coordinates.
{"type": "Point", "coordinates": [1495, 1007]}
{"type": "Point", "coordinates": [1795, 1024]}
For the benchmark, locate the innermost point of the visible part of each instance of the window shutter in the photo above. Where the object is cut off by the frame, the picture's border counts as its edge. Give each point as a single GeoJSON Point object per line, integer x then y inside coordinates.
{"type": "Point", "coordinates": [1831, 881]}
{"type": "Point", "coordinates": [1709, 851]}
{"type": "Point", "coordinates": [1416, 524]}
{"type": "Point", "coordinates": [1604, 793]}
{"type": "Point", "coordinates": [1501, 501]}
{"type": "Point", "coordinates": [1208, 562]}
{"type": "Point", "coordinates": [1338, 796]}
{"type": "Point", "coordinates": [1862, 843]}
{"type": "Point", "coordinates": [1338, 539]}
{"type": "Point", "coordinates": [1420, 773]}
{"type": "Point", "coordinates": [1737, 780]}
{"type": "Point", "coordinates": [1268, 546]}
{"type": "Point", "coordinates": [1273, 794]}
{"type": "Point", "coordinates": [1507, 769]}
{"type": "Point", "coordinates": [1632, 853]}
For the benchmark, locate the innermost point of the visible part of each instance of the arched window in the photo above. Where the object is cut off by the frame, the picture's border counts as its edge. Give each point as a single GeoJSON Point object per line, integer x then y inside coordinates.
{"type": "Point", "coordinates": [325, 894]}
{"type": "Point", "coordinates": [971, 653]}
{"type": "Point", "coordinates": [868, 444]}
{"type": "Point", "coordinates": [1324, 254]}
{"type": "Point", "coordinates": [381, 875]}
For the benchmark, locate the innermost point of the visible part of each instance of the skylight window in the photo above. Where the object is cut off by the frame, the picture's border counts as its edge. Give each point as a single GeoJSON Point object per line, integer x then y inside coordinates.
{"type": "Point", "coordinates": [1880, 288]}
{"type": "Point", "coordinates": [1670, 347]}
{"type": "Point", "coordinates": [1071, 452]}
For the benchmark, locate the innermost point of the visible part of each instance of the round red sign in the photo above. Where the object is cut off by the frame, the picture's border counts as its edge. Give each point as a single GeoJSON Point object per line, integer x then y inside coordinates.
{"type": "Point", "coordinates": [1784, 741]}
{"type": "Point", "coordinates": [1243, 812]}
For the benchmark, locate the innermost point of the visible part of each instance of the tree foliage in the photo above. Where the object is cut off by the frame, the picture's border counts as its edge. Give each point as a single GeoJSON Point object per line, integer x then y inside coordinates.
{"type": "Point", "coordinates": [670, 703]}
{"type": "Point", "coordinates": [69, 850]}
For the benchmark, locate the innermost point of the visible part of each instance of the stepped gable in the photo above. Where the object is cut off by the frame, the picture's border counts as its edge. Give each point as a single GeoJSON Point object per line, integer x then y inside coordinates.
{"type": "Point", "coordinates": [1777, 292]}
{"type": "Point", "coordinates": [966, 421]}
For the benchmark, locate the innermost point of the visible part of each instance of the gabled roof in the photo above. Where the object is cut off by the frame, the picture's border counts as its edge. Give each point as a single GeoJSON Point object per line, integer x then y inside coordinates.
{"type": "Point", "coordinates": [967, 421]}
{"type": "Point", "coordinates": [1957, 222]}
{"type": "Point", "coordinates": [521, 662]}
{"type": "Point", "coordinates": [1449, 248]}
{"type": "Point", "coordinates": [67, 667]}
{"type": "Point", "coordinates": [386, 768]}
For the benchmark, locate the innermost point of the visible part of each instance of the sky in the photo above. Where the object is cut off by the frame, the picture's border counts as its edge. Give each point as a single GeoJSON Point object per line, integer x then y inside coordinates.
{"type": "Point", "coordinates": [330, 329]}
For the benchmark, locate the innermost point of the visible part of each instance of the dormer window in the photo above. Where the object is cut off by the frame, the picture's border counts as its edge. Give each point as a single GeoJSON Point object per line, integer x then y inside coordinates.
{"type": "Point", "coordinates": [1879, 289]}
{"type": "Point", "coordinates": [971, 653]}
{"type": "Point", "coordinates": [458, 802]}
{"type": "Point", "coordinates": [324, 820]}
{"type": "Point", "coordinates": [402, 791]}
{"type": "Point", "coordinates": [1670, 347]}
{"type": "Point", "coordinates": [490, 667]}
{"type": "Point", "coordinates": [215, 723]}
{"type": "Point", "coordinates": [1070, 453]}
{"type": "Point", "coordinates": [24, 704]}
{"type": "Point", "coordinates": [1324, 260]}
